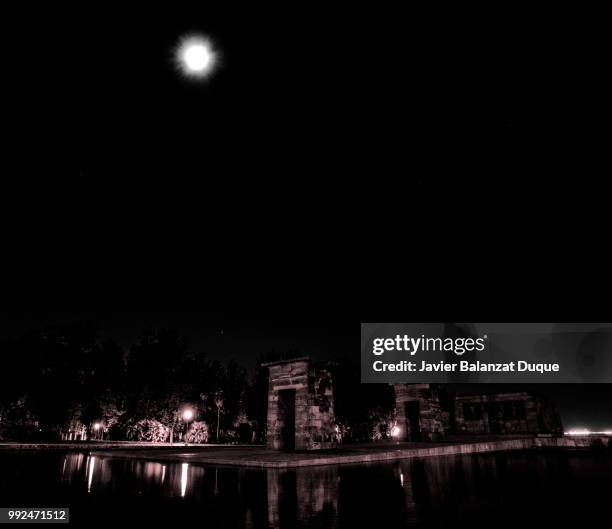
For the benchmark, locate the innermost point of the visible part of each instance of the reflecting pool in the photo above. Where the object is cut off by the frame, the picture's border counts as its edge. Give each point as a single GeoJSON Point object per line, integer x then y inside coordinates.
{"type": "Point", "coordinates": [487, 489]}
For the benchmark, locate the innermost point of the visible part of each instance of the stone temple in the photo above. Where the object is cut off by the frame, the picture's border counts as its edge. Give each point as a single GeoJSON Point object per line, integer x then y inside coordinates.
{"type": "Point", "coordinates": [300, 405]}
{"type": "Point", "coordinates": [301, 410]}
{"type": "Point", "coordinates": [428, 412]}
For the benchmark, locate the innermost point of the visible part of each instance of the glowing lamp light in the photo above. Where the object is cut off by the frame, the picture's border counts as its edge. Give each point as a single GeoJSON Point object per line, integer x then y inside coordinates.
{"type": "Point", "coordinates": [195, 57]}
{"type": "Point", "coordinates": [188, 415]}
{"type": "Point", "coordinates": [582, 431]}
{"type": "Point", "coordinates": [97, 426]}
{"type": "Point", "coordinates": [585, 431]}
{"type": "Point", "coordinates": [395, 432]}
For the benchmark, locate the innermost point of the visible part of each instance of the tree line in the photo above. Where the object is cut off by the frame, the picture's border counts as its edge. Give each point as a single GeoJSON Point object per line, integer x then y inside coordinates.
{"type": "Point", "coordinates": [64, 382]}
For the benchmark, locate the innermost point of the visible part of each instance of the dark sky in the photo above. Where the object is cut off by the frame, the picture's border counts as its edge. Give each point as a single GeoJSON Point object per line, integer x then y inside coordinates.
{"type": "Point", "coordinates": [331, 141]}
{"type": "Point", "coordinates": [238, 330]}
{"type": "Point", "coordinates": [358, 165]}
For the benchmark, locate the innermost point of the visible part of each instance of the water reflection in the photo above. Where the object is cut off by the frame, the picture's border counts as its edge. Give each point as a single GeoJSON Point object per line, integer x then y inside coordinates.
{"type": "Point", "coordinates": [308, 495]}
{"type": "Point", "coordinates": [71, 467]}
{"type": "Point", "coordinates": [184, 469]}
{"type": "Point", "coordinates": [91, 462]}
{"type": "Point", "coordinates": [405, 493]}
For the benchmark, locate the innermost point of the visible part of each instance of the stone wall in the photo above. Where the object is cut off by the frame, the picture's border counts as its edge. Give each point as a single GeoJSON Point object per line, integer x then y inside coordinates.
{"type": "Point", "coordinates": [506, 413]}
{"type": "Point", "coordinates": [314, 404]}
{"type": "Point", "coordinates": [501, 413]}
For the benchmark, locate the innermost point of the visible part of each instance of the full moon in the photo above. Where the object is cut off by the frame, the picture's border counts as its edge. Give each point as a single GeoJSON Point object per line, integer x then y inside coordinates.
{"type": "Point", "coordinates": [196, 57]}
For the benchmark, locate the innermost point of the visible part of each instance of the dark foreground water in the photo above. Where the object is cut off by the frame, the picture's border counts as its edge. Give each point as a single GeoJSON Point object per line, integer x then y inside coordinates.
{"type": "Point", "coordinates": [491, 489]}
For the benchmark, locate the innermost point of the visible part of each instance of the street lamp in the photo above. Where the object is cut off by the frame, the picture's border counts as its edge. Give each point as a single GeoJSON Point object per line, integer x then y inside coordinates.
{"type": "Point", "coordinates": [187, 417]}
{"type": "Point", "coordinates": [97, 430]}
{"type": "Point", "coordinates": [396, 432]}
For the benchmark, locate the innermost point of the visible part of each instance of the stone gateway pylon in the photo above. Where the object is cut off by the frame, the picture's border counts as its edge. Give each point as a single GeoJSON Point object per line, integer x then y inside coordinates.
{"type": "Point", "coordinates": [300, 405]}
{"type": "Point", "coordinates": [419, 413]}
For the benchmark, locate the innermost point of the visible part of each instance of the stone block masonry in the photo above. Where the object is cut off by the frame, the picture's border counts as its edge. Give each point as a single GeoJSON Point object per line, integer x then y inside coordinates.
{"type": "Point", "coordinates": [300, 405]}
{"type": "Point", "coordinates": [428, 412]}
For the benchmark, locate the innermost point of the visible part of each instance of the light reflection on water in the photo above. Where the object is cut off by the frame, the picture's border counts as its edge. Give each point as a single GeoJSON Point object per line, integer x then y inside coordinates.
{"type": "Point", "coordinates": [184, 470]}
{"type": "Point", "coordinates": [103, 474]}
{"type": "Point", "coordinates": [91, 463]}
{"type": "Point", "coordinates": [411, 492]}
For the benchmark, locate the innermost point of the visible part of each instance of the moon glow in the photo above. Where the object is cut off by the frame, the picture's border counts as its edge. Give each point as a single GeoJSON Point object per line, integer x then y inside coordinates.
{"type": "Point", "coordinates": [195, 57]}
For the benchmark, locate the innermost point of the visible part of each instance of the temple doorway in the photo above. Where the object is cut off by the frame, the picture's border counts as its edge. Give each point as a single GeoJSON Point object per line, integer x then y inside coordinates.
{"type": "Point", "coordinates": [413, 420]}
{"type": "Point", "coordinates": [287, 413]}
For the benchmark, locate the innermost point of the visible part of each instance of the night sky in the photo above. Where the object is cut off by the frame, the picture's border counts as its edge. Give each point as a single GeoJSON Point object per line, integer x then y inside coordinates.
{"type": "Point", "coordinates": [238, 330]}
{"type": "Point", "coordinates": [325, 144]}
{"type": "Point", "coordinates": [336, 168]}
